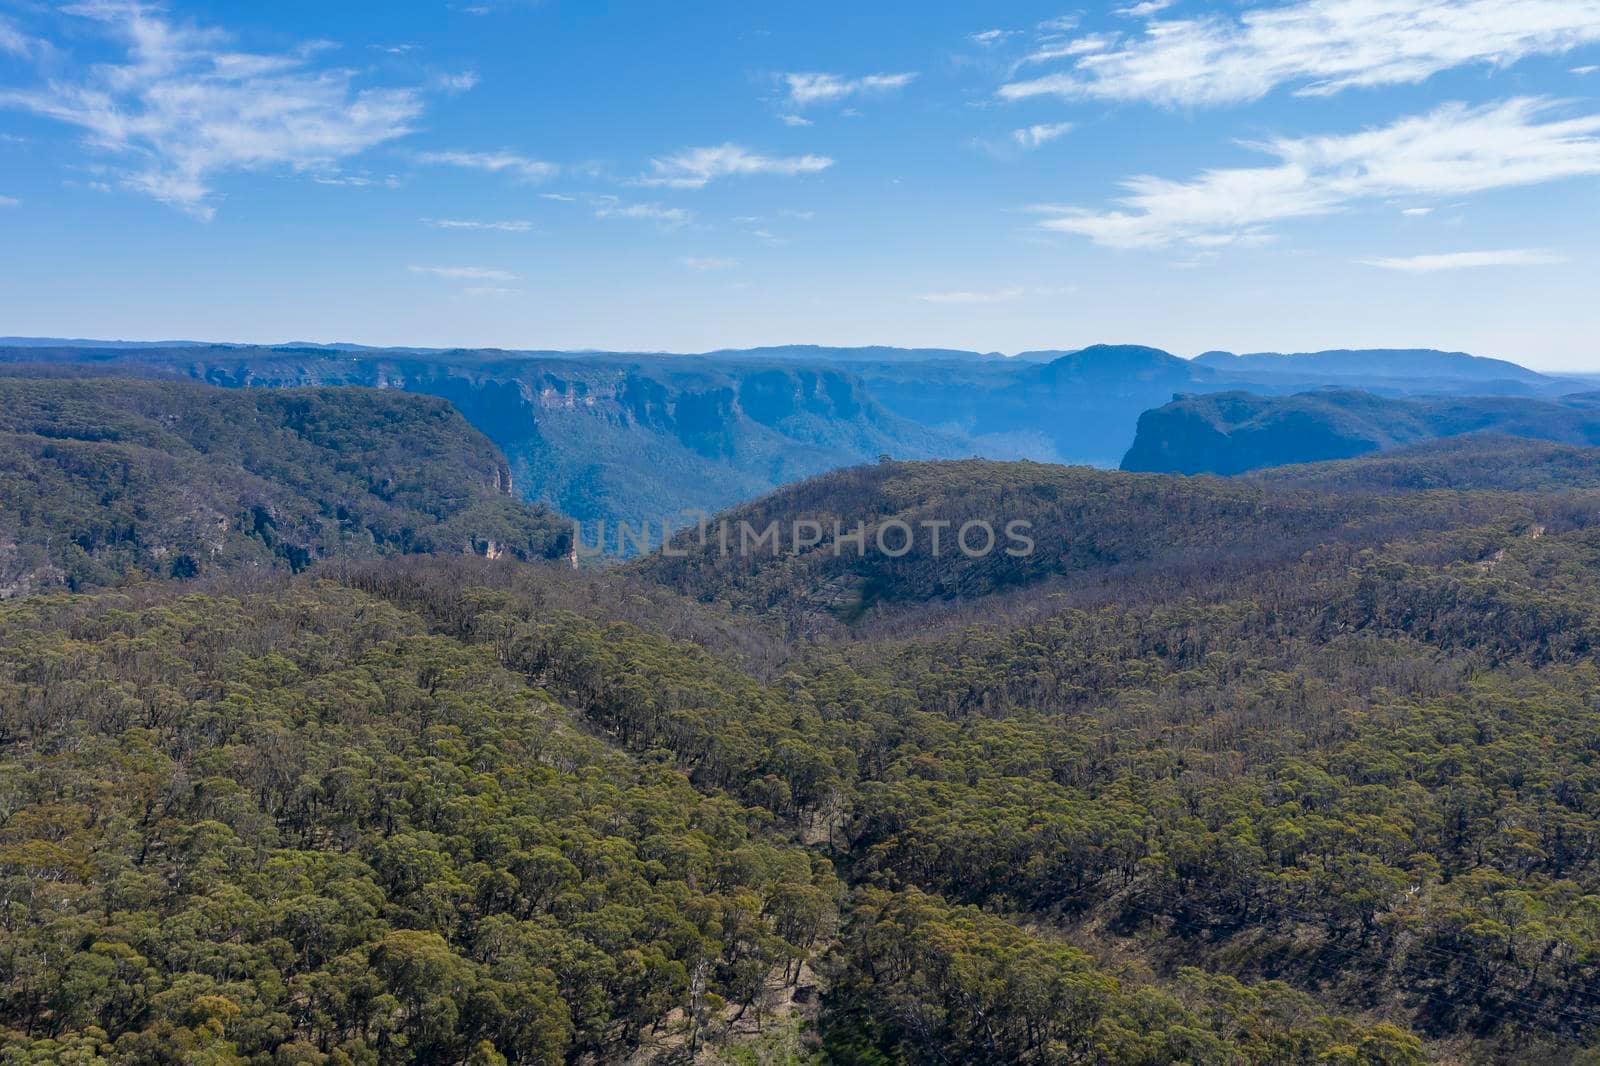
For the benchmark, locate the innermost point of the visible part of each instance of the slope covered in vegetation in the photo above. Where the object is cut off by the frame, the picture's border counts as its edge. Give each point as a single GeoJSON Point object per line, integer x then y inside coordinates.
{"type": "Point", "coordinates": [890, 540]}
{"type": "Point", "coordinates": [1246, 773]}
{"type": "Point", "coordinates": [298, 826]}
{"type": "Point", "coordinates": [1232, 432]}
{"type": "Point", "coordinates": [101, 479]}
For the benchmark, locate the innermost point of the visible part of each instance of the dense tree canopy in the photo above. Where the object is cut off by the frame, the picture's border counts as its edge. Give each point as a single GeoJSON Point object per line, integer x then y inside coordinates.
{"type": "Point", "coordinates": [1243, 773]}
{"type": "Point", "coordinates": [100, 480]}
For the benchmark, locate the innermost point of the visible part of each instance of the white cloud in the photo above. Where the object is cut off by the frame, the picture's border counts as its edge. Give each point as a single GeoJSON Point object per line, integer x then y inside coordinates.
{"type": "Point", "coordinates": [705, 264]}
{"type": "Point", "coordinates": [559, 197]}
{"type": "Point", "coordinates": [9, 201]}
{"type": "Point", "coordinates": [666, 216]}
{"type": "Point", "coordinates": [509, 226]}
{"type": "Point", "coordinates": [992, 297]}
{"type": "Point", "coordinates": [1580, 71]}
{"type": "Point", "coordinates": [1063, 49]}
{"type": "Point", "coordinates": [990, 38]}
{"type": "Point", "coordinates": [807, 89]}
{"type": "Point", "coordinates": [694, 168]}
{"type": "Point", "coordinates": [466, 273]}
{"type": "Point", "coordinates": [13, 40]}
{"type": "Point", "coordinates": [1061, 24]}
{"type": "Point", "coordinates": [1318, 46]}
{"type": "Point", "coordinates": [795, 120]}
{"type": "Point", "coordinates": [459, 83]}
{"type": "Point", "coordinates": [1428, 264]}
{"type": "Point", "coordinates": [1416, 212]}
{"type": "Point", "coordinates": [1452, 151]}
{"type": "Point", "coordinates": [1146, 9]}
{"type": "Point", "coordinates": [188, 107]}
{"type": "Point", "coordinates": [519, 166]}
{"type": "Point", "coordinates": [359, 181]}
{"type": "Point", "coordinates": [1044, 133]}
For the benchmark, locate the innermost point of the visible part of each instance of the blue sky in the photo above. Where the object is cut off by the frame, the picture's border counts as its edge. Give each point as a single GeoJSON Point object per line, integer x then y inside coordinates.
{"type": "Point", "coordinates": [1286, 176]}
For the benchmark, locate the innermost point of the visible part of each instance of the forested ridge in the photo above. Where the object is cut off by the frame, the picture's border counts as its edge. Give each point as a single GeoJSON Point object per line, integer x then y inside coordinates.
{"type": "Point", "coordinates": [101, 480]}
{"type": "Point", "coordinates": [1298, 769]}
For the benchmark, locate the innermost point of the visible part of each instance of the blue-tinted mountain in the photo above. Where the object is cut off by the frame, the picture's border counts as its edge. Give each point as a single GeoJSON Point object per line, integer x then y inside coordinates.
{"type": "Point", "coordinates": [1421, 369]}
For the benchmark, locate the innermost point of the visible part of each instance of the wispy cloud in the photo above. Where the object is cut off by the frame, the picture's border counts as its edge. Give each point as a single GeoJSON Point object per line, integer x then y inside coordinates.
{"type": "Point", "coordinates": [559, 197]}
{"type": "Point", "coordinates": [992, 296]}
{"type": "Point", "coordinates": [518, 166]}
{"type": "Point", "coordinates": [694, 168]}
{"type": "Point", "coordinates": [1428, 264]}
{"type": "Point", "coordinates": [465, 273]}
{"type": "Point", "coordinates": [9, 201]}
{"type": "Point", "coordinates": [706, 264]}
{"type": "Point", "coordinates": [13, 40]}
{"type": "Point", "coordinates": [1416, 212]}
{"type": "Point", "coordinates": [359, 181]}
{"type": "Point", "coordinates": [458, 83]}
{"type": "Point", "coordinates": [186, 106]}
{"type": "Point", "coordinates": [808, 89]}
{"type": "Point", "coordinates": [795, 120]}
{"type": "Point", "coordinates": [1454, 150]}
{"type": "Point", "coordinates": [990, 38]}
{"type": "Point", "coordinates": [666, 216]}
{"type": "Point", "coordinates": [508, 226]}
{"type": "Point", "coordinates": [1590, 69]}
{"type": "Point", "coordinates": [973, 297]}
{"type": "Point", "coordinates": [1145, 9]}
{"type": "Point", "coordinates": [1057, 48]}
{"type": "Point", "coordinates": [1034, 136]}
{"type": "Point", "coordinates": [1317, 46]}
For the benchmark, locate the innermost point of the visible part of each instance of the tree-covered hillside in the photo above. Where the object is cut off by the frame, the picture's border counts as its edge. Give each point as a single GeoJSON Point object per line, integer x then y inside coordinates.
{"type": "Point", "coordinates": [1082, 524]}
{"type": "Point", "coordinates": [1257, 771]}
{"type": "Point", "coordinates": [323, 825]}
{"type": "Point", "coordinates": [1472, 461]}
{"type": "Point", "coordinates": [1232, 432]}
{"type": "Point", "coordinates": [100, 480]}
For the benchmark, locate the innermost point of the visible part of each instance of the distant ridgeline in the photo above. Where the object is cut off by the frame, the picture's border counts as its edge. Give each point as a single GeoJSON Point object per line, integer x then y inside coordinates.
{"type": "Point", "coordinates": [606, 435]}
{"type": "Point", "coordinates": [101, 479]}
{"type": "Point", "coordinates": [1232, 432]}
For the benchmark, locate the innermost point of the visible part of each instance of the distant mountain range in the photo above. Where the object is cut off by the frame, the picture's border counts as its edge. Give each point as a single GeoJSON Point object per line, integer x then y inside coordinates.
{"type": "Point", "coordinates": [626, 435]}
{"type": "Point", "coordinates": [1376, 364]}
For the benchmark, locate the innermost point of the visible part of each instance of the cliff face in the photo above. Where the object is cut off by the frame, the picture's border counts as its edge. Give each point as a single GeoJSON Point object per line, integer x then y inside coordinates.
{"type": "Point", "coordinates": [592, 436]}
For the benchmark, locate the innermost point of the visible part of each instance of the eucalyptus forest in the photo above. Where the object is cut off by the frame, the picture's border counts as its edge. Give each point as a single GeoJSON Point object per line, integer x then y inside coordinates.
{"type": "Point", "coordinates": [1297, 767]}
